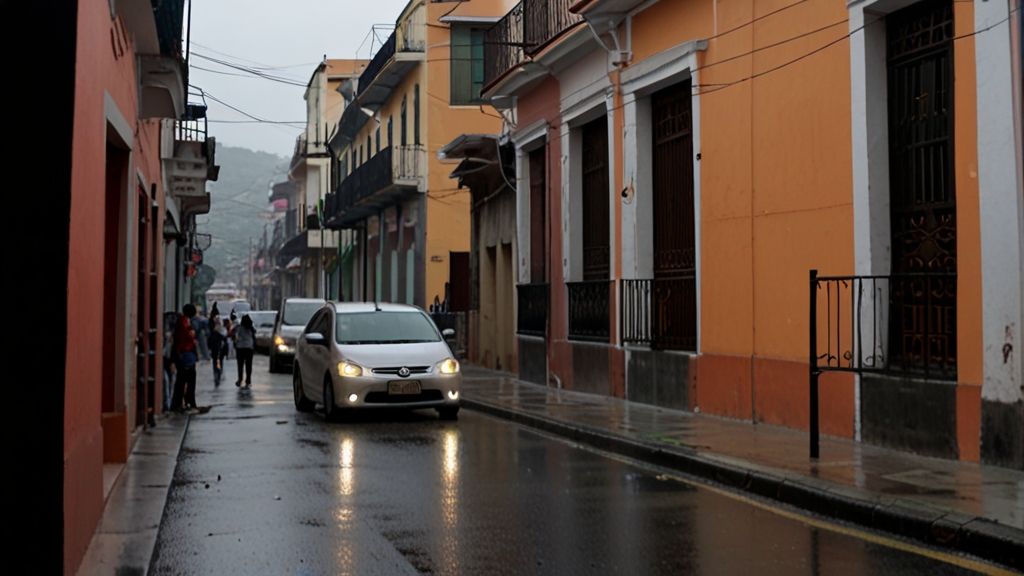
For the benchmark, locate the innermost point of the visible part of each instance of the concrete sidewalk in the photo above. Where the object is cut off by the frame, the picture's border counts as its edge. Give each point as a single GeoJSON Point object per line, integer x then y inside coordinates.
{"type": "Point", "coordinates": [124, 540]}
{"type": "Point", "coordinates": [957, 505]}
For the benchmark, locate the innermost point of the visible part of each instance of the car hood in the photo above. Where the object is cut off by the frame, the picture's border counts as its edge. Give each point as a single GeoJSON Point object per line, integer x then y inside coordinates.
{"type": "Point", "coordinates": [290, 332]}
{"type": "Point", "coordinates": [388, 355]}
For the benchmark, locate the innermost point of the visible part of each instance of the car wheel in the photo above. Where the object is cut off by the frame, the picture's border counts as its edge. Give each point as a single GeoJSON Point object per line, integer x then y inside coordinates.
{"type": "Point", "coordinates": [331, 411]}
{"type": "Point", "coordinates": [448, 412]}
{"type": "Point", "coordinates": [302, 404]}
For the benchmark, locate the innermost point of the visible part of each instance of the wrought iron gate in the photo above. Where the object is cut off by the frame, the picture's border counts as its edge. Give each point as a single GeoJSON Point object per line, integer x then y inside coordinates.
{"type": "Point", "coordinates": [674, 317]}
{"type": "Point", "coordinates": [922, 331]}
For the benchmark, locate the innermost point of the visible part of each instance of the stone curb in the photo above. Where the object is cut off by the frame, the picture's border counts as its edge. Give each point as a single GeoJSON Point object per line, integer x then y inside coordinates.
{"type": "Point", "coordinates": [942, 528]}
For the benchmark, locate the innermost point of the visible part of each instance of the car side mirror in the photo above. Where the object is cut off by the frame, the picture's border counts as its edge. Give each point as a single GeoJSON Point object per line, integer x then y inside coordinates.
{"type": "Point", "coordinates": [448, 333]}
{"type": "Point", "coordinates": [316, 338]}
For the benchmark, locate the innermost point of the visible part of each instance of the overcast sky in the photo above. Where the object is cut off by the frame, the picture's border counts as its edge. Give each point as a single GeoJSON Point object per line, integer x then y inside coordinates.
{"type": "Point", "coordinates": [291, 37]}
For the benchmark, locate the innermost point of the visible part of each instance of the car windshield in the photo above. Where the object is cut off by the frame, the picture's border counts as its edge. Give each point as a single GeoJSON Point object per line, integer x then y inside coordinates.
{"type": "Point", "coordinates": [262, 319]}
{"type": "Point", "coordinates": [385, 328]}
{"type": "Point", "coordinates": [299, 313]}
{"type": "Point", "coordinates": [242, 307]}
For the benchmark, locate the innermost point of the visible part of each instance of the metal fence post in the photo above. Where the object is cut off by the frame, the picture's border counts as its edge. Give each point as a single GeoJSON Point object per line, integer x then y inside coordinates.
{"type": "Point", "coordinates": [814, 372]}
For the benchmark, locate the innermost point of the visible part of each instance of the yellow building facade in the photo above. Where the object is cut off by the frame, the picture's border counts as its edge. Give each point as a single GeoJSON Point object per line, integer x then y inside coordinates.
{"type": "Point", "coordinates": [409, 223]}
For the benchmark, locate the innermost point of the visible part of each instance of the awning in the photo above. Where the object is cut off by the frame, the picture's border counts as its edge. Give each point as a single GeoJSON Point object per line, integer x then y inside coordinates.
{"type": "Point", "coordinates": [482, 147]}
{"type": "Point", "coordinates": [477, 152]}
{"type": "Point", "coordinates": [294, 263]}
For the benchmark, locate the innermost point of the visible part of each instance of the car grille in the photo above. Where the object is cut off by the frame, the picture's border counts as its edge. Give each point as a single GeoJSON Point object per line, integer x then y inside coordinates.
{"type": "Point", "coordinates": [385, 398]}
{"type": "Point", "coordinates": [395, 369]}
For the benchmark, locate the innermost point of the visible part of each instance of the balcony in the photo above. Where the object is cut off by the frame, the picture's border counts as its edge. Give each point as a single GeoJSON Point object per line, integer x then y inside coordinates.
{"type": "Point", "coordinates": [513, 46]}
{"type": "Point", "coordinates": [661, 313]}
{"type": "Point", "coordinates": [532, 317]}
{"type": "Point", "coordinates": [589, 316]}
{"type": "Point", "coordinates": [503, 44]}
{"type": "Point", "coordinates": [192, 162]}
{"type": "Point", "coordinates": [163, 74]}
{"type": "Point", "coordinates": [401, 52]}
{"type": "Point", "coordinates": [391, 176]}
{"type": "Point", "coordinates": [544, 21]}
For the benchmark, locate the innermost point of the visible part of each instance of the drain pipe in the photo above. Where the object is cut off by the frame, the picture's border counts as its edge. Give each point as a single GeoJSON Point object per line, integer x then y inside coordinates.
{"type": "Point", "coordinates": [558, 381]}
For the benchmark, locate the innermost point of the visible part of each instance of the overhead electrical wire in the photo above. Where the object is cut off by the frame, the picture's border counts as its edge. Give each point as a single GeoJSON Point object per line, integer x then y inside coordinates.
{"type": "Point", "coordinates": [257, 65]}
{"type": "Point", "coordinates": [253, 71]}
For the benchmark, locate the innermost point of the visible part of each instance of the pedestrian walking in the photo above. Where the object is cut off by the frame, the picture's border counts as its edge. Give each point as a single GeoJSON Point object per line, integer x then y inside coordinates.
{"type": "Point", "coordinates": [201, 326]}
{"type": "Point", "coordinates": [245, 344]}
{"type": "Point", "coordinates": [170, 370]}
{"type": "Point", "coordinates": [218, 348]}
{"type": "Point", "coordinates": [231, 326]}
{"type": "Point", "coordinates": [185, 351]}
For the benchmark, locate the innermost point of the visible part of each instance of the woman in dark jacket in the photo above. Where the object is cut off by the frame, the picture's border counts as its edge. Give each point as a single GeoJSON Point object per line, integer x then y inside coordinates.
{"type": "Point", "coordinates": [218, 348]}
{"type": "Point", "coordinates": [245, 343]}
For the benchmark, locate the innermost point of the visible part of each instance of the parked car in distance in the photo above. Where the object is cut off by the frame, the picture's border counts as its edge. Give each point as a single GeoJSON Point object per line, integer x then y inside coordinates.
{"type": "Point", "coordinates": [263, 321]}
{"type": "Point", "coordinates": [291, 320]}
{"type": "Point", "coordinates": [238, 306]}
{"type": "Point", "coordinates": [365, 355]}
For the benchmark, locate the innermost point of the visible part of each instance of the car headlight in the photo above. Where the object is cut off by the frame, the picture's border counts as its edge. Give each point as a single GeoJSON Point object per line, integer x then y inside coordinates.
{"type": "Point", "coordinates": [349, 369]}
{"type": "Point", "coordinates": [278, 341]}
{"type": "Point", "coordinates": [449, 366]}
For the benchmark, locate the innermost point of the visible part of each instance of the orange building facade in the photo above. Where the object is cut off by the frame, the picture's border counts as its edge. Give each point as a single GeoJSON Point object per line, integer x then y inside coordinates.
{"type": "Point", "coordinates": [138, 165]}
{"type": "Point", "coordinates": [683, 166]}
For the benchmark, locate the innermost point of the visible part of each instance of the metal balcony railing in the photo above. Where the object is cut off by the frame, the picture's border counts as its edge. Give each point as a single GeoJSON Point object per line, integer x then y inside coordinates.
{"type": "Point", "coordinates": [901, 324]}
{"type": "Point", "coordinates": [385, 54]}
{"type": "Point", "coordinates": [661, 312]}
{"type": "Point", "coordinates": [532, 319]}
{"type": "Point", "coordinates": [393, 165]}
{"type": "Point", "coordinates": [589, 310]}
{"type": "Point", "coordinates": [192, 126]}
{"type": "Point", "coordinates": [525, 30]}
{"type": "Point", "coordinates": [636, 311]}
{"type": "Point", "coordinates": [545, 20]}
{"type": "Point", "coordinates": [503, 44]}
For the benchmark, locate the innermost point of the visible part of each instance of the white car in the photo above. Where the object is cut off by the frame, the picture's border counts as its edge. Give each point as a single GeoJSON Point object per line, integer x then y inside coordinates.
{"type": "Point", "coordinates": [366, 355]}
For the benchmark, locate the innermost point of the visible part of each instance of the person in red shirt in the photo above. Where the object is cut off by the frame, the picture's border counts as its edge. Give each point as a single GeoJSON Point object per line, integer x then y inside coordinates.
{"type": "Point", "coordinates": [185, 353]}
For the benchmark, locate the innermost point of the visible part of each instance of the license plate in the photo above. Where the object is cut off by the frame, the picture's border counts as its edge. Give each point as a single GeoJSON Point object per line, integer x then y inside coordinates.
{"type": "Point", "coordinates": [402, 387]}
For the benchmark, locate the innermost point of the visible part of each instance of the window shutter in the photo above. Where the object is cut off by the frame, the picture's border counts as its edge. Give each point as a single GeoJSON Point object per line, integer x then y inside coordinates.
{"type": "Point", "coordinates": [478, 63]}
{"type": "Point", "coordinates": [461, 65]}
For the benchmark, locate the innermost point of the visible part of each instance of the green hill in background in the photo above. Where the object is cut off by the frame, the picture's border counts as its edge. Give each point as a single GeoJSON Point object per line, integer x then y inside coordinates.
{"type": "Point", "coordinates": [237, 199]}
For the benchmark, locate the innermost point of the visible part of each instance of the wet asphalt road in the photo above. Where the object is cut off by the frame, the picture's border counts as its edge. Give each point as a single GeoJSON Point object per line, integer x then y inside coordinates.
{"type": "Point", "coordinates": [263, 489]}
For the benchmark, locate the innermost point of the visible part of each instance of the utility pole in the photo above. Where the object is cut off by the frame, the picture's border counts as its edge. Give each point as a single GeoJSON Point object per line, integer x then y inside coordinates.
{"type": "Point", "coordinates": [248, 290]}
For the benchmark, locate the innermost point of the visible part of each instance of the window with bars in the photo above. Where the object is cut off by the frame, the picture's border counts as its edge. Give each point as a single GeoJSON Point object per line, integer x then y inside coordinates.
{"type": "Point", "coordinates": [467, 64]}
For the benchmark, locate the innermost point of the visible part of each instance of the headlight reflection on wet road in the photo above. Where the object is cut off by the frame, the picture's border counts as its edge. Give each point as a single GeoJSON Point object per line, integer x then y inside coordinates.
{"type": "Point", "coordinates": [450, 501]}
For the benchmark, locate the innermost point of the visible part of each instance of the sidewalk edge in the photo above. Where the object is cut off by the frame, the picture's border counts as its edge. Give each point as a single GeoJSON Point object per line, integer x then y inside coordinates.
{"type": "Point", "coordinates": [957, 532]}
{"type": "Point", "coordinates": [166, 495]}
